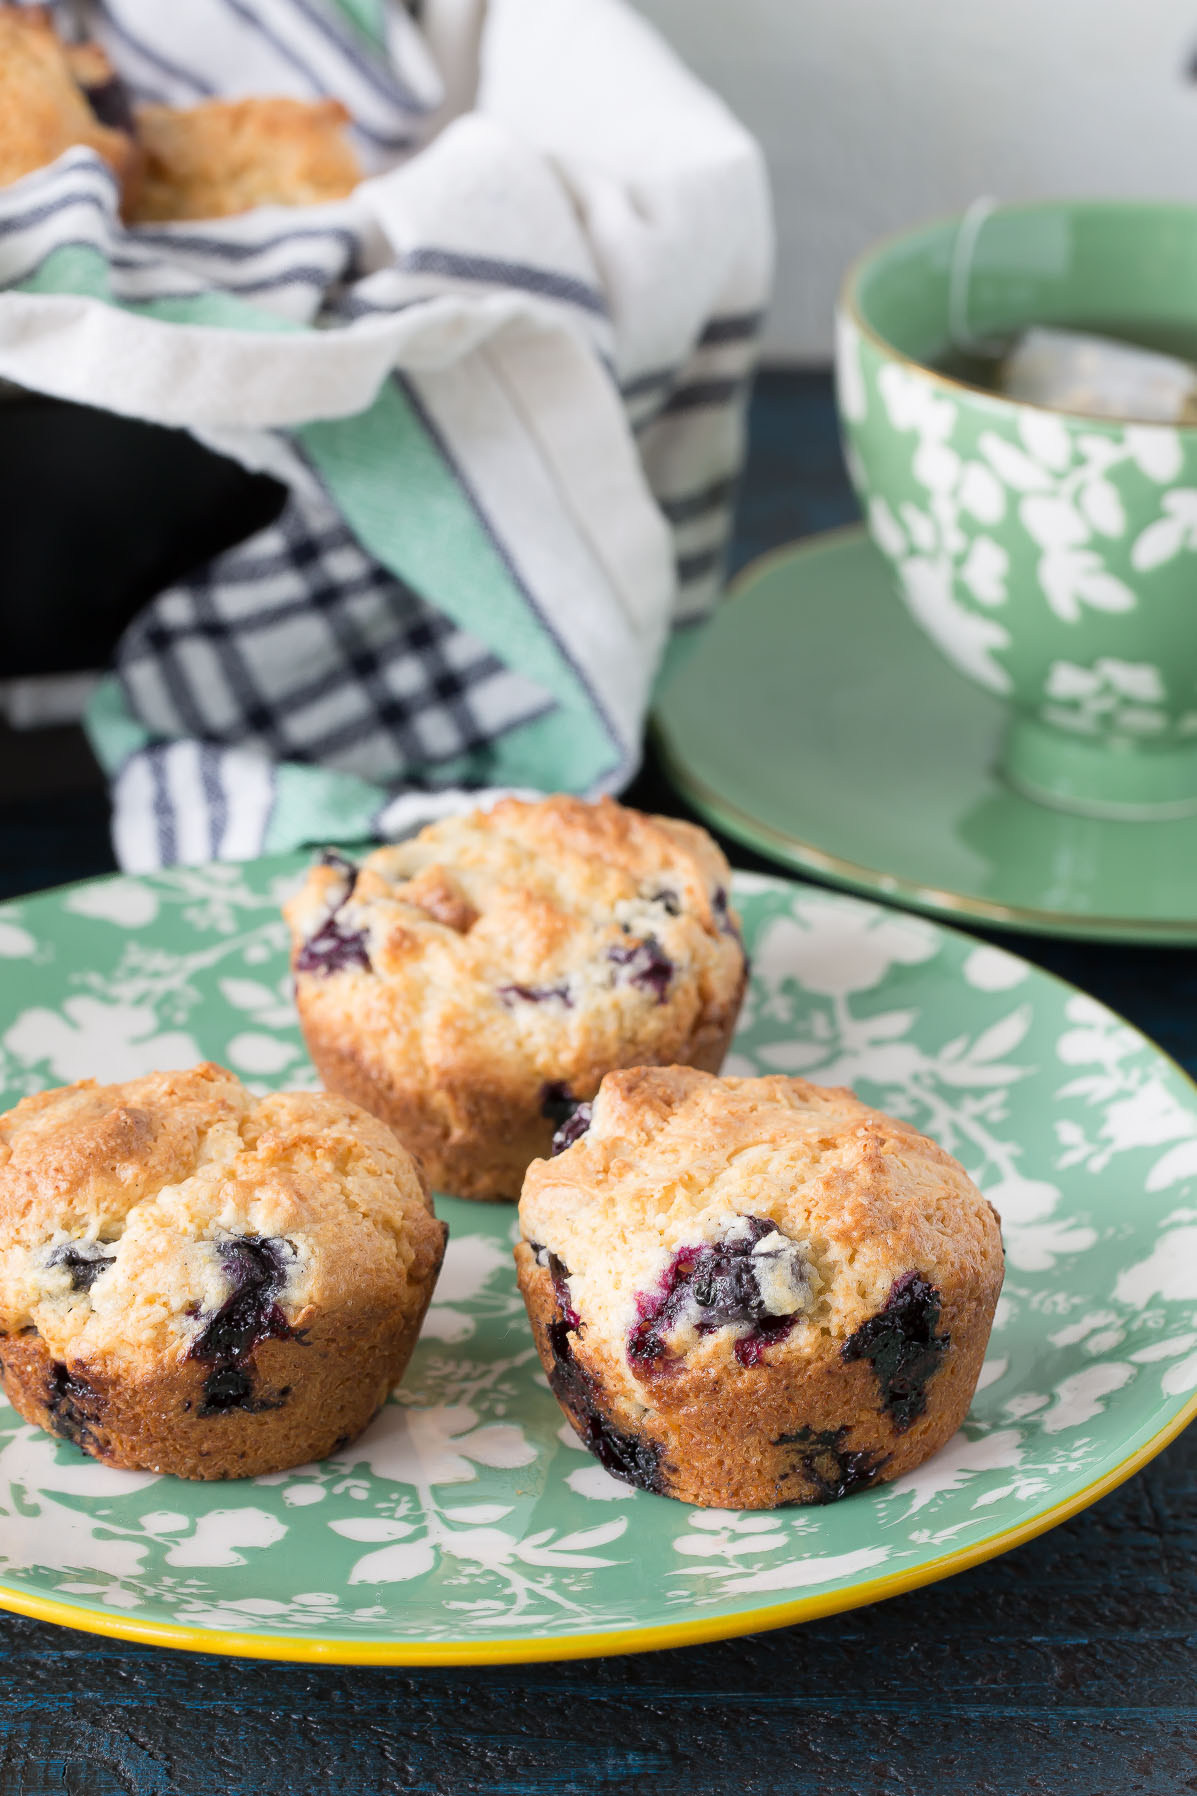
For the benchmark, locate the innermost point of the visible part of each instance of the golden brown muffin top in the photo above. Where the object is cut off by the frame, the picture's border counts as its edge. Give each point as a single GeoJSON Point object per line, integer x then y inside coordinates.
{"type": "Point", "coordinates": [43, 108]}
{"type": "Point", "coordinates": [128, 1212]}
{"type": "Point", "coordinates": [529, 938]}
{"type": "Point", "coordinates": [676, 1159]}
{"type": "Point", "coordinates": [227, 156]}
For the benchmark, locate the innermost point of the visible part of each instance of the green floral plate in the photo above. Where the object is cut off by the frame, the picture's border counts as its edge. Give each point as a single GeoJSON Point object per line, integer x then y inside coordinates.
{"type": "Point", "coordinates": [467, 1524]}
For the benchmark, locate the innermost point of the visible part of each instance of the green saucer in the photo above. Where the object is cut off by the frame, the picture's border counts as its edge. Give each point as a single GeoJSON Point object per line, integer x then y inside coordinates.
{"type": "Point", "coordinates": [814, 721]}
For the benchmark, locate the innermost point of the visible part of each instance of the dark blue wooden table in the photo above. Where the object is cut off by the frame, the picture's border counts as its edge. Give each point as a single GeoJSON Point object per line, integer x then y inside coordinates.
{"type": "Point", "coordinates": [1065, 1668]}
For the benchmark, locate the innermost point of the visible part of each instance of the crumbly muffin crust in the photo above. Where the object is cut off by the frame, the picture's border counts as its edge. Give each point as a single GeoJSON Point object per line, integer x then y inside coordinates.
{"type": "Point", "coordinates": [44, 106]}
{"type": "Point", "coordinates": [469, 985]}
{"type": "Point", "coordinates": [227, 156]}
{"type": "Point", "coordinates": [748, 1292]}
{"type": "Point", "coordinates": [198, 1281]}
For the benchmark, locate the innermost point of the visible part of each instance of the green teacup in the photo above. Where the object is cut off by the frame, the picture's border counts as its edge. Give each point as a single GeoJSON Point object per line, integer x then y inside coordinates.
{"type": "Point", "coordinates": [1052, 557]}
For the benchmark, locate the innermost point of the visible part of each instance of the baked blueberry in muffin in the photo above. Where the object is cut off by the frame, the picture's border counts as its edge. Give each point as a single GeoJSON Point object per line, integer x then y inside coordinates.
{"type": "Point", "coordinates": [473, 985]}
{"type": "Point", "coordinates": [198, 1281]}
{"type": "Point", "coordinates": [748, 1292]}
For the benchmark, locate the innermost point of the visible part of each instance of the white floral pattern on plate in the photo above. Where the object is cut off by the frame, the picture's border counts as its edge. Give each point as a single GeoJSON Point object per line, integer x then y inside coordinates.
{"type": "Point", "coordinates": [468, 1512]}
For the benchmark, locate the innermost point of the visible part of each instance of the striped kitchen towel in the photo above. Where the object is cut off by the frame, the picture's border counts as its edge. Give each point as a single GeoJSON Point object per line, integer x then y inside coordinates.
{"type": "Point", "coordinates": [503, 382]}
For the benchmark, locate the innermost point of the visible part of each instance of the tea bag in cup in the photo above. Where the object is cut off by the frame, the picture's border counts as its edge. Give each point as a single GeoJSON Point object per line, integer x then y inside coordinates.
{"type": "Point", "coordinates": [1075, 371]}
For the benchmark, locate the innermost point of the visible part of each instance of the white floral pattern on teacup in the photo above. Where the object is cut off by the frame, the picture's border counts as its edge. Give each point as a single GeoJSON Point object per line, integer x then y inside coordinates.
{"type": "Point", "coordinates": [975, 505]}
{"type": "Point", "coordinates": [1123, 695]}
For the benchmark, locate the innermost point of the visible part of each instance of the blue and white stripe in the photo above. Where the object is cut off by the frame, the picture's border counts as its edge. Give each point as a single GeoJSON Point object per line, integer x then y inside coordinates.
{"type": "Point", "coordinates": [192, 50]}
{"type": "Point", "coordinates": [573, 340]}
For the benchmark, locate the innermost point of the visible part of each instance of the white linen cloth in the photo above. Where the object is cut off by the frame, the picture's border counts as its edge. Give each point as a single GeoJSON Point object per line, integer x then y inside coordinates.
{"type": "Point", "coordinates": [504, 382]}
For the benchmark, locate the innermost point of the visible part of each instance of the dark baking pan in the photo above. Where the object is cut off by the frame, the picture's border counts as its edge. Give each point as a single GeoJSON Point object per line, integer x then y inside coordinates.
{"type": "Point", "coordinates": [97, 514]}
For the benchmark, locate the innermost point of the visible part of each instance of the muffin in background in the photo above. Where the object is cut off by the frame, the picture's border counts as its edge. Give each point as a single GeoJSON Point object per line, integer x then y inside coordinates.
{"type": "Point", "coordinates": [471, 986]}
{"type": "Point", "coordinates": [45, 106]}
{"type": "Point", "coordinates": [749, 1292]}
{"type": "Point", "coordinates": [194, 1280]}
{"type": "Point", "coordinates": [212, 160]}
{"type": "Point", "coordinates": [228, 156]}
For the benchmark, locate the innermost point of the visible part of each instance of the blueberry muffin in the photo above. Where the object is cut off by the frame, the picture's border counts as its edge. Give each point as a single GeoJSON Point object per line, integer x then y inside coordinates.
{"type": "Point", "coordinates": [227, 156]}
{"type": "Point", "coordinates": [54, 95]}
{"type": "Point", "coordinates": [198, 1281]}
{"type": "Point", "coordinates": [207, 161]}
{"type": "Point", "coordinates": [470, 985]}
{"type": "Point", "coordinates": [748, 1292]}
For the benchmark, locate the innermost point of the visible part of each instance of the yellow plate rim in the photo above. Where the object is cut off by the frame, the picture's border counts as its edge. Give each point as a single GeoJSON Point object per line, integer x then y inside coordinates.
{"type": "Point", "coordinates": [292, 1649]}
{"type": "Point", "coordinates": [657, 1637]}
